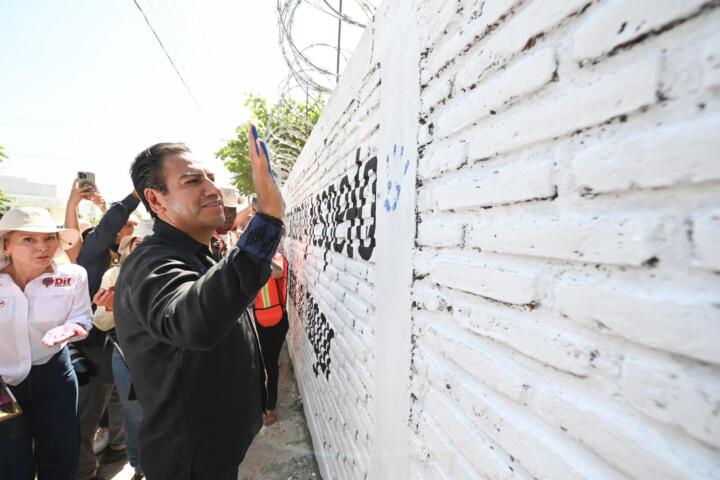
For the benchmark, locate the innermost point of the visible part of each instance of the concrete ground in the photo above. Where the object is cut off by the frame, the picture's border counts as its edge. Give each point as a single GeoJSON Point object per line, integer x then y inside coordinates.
{"type": "Point", "coordinates": [283, 450]}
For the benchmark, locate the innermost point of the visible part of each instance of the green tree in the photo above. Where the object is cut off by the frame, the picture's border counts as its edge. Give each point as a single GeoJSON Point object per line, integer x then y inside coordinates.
{"type": "Point", "coordinates": [4, 197]}
{"type": "Point", "coordinates": [285, 127]}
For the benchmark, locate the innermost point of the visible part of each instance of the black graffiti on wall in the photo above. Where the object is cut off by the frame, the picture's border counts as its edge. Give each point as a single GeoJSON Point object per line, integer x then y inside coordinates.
{"type": "Point", "coordinates": [341, 217]}
{"type": "Point", "coordinates": [317, 328]}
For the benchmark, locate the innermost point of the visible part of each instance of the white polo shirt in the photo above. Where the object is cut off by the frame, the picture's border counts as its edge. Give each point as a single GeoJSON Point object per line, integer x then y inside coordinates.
{"type": "Point", "coordinates": [50, 300]}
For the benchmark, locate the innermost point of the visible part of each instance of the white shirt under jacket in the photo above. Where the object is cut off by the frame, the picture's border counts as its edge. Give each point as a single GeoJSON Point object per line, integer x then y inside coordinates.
{"type": "Point", "coordinates": [50, 300]}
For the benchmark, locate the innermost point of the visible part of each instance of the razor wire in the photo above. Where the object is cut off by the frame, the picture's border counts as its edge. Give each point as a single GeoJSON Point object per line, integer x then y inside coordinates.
{"type": "Point", "coordinates": [302, 60]}
{"type": "Point", "coordinates": [308, 80]}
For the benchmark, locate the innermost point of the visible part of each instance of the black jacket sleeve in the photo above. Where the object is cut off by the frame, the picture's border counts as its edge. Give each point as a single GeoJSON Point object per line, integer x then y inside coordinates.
{"type": "Point", "coordinates": [103, 237]}
{"type": "Point", "coordinates": [182, 307]}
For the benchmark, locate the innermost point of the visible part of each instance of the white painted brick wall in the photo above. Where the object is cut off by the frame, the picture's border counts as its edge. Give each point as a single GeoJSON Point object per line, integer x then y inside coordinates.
{"type": "Point", "coordinates": [542, 293]}
{"type": "Point", "coordinates": [615, 24]}
{"type": "Point", "coordinates": [677, 153]}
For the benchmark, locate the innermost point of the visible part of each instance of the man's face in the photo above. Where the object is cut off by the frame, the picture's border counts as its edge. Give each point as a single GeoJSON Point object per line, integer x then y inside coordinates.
{"type": "Point", "coordinates": [230, 214]}
{"type": "Point", "coordinates": [192, 200]}
{"type": "Point", "coordinates": [127, 229]}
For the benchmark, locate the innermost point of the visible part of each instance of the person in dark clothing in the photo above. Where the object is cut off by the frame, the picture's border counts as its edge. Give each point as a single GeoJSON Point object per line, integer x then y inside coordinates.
{"type": "Point", "coordinates": [97, 255]}
{"type": "Point", "coordinates": [272, 325]}
{"type": "Point", "coordinates": [182, 319]}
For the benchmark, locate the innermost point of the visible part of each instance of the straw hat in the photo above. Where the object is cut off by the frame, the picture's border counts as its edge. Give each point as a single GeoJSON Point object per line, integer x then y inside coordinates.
{"type": "Point", "coordinates": [230, 197]}
{"type": "Point", "coordinates": [36, 220]}
{"type": "Point", "coordinates": [124, 248]}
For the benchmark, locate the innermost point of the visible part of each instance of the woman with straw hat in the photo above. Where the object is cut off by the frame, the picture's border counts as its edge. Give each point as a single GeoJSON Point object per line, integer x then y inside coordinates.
{"type": "Point", "coordinates": [43, 305]}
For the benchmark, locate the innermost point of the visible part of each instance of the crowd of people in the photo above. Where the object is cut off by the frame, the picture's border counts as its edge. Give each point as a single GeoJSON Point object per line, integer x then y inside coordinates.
{"type": "Point", "coordinates": [161, 349]}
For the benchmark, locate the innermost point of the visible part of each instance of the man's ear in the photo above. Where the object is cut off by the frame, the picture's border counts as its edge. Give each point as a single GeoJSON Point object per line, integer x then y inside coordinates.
{"type": "Point", "coordinates": [155, 200]}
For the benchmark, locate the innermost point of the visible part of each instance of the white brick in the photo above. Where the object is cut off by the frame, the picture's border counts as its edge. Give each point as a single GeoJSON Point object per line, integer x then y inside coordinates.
{"type": "Point", "coordinates": [680, 153]}
{"type": "Point", "coordinates": [454, 46]}
{"type": "Point", "coordinates": [349, 282]}
{"type": "Point", "coordinates": [522, 78]}
{"type": "Point", "coordinates": [325, 297]}
{"type": "Point", "coordinates": [706, 240]}
{"type": "Point", "coordinates": [485, 277]}
{"type": "Point", "coordinates": [484, 187]}
{"type": "Point", "coordinates": [473, 447]}
{"type": "Point", "coordinates": [607, 239]}
{"type": "Point", "coordinates": [357, 306]}
{"type": "Point", "coordinates": [441, 157]}
{"type": "Point", "coordinates": [582, 415]}
{"type": "Point", "coordinates": [711, 56]}
{"type": "Point", "coordinates": [440, 17]}
{"type": "Point", "coordinates": [442, 453]}
{"type": "Point", "coordinates": [539, 449]}
{"type": "Point", "coordinates": [458, 340]}
{"type": "Point", "coordinates": [673, 321]}
{"type": "Point", "coordinates": [533, 334]}
{"type": "Point", "coordinates": [675, 394]}
{"type": "Point", "coordinates": [366, 291]}
{"type": "Point", "coordinates": [537, 18]}
{"type": "Point", "coordinates": [636, 447]}
{"type": "Point", "coordinates": [357, 268]}
{"type": "Point", "coordinates": [425, 200]}
{"type": "Point", "coordinates": [435, 92]}
{"type": "Point", "coordinates": [575, 108]}
{"type": "Point", "coordinates": [613, 23]}
{"type": "Point", "coordinates": [440, 232]}
{"type": "Point", "coordinates": [422, 259]}
{"type": "Point", "coordinates": [425, 136]}
{"type": "Point", "coordinates": [428, 297]}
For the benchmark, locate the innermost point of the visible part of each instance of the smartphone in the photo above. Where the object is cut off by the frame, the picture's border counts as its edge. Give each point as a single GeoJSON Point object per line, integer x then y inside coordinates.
{"type": "Point", "coordinates": [85, 179]}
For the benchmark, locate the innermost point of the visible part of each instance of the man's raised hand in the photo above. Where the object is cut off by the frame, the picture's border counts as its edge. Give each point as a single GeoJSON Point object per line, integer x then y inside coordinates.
{"type": "Point", "coordinates": [269, 198]}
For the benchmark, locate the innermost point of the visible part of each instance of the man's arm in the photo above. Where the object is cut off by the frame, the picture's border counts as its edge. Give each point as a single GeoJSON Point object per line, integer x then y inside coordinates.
{"type": "Point", "coordinates": [194, 311]}
{"type": "Point", "coordinates": [103, 237]}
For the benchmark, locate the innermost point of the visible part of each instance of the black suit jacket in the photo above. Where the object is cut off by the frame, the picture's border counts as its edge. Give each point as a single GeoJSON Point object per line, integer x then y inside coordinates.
{"type": "Point", "coordinates": [192, 349]}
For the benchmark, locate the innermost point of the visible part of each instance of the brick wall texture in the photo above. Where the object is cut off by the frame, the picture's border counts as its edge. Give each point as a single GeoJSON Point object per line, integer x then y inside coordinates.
{"type": "Point", "coordinates": [564, 292]}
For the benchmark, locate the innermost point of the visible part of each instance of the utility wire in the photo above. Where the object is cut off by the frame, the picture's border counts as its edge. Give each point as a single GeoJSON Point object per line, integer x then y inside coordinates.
{"type": "Point", "coordinates": [187, 87]}
{"type": "Point", "coordinates": [11, 156]}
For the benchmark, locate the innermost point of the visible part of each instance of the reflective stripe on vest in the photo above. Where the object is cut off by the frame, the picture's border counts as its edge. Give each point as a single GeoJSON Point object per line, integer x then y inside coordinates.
{"type": "Point", "coordinates": [268, 311]}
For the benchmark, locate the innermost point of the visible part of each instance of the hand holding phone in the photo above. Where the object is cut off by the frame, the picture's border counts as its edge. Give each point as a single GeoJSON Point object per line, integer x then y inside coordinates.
{"type": "Point", "coordinates": [85, 179]}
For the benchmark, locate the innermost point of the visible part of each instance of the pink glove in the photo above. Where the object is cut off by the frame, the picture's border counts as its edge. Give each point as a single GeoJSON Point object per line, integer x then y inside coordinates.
{"type": "Point", "coordinates": [63, 333]}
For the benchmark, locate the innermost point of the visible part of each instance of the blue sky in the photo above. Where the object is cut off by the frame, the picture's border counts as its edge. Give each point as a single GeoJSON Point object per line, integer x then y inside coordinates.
{"type": "Point", "coordinates": [84, 84]}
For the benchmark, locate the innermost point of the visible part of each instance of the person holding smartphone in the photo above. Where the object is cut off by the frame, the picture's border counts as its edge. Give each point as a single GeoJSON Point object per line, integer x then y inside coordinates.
{"type": "Point", "coordinates": [43, 305]}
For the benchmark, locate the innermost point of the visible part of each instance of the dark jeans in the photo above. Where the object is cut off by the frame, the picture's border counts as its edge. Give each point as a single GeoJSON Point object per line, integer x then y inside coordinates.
{"type": "Point", "coordinates": [133, 409]}
{"type": "Point", "coordinates": [48, 398]}
{"type": "Point", "coordinates": [96, 396]}
{"type": "Point", "coordinates": [271, 342]}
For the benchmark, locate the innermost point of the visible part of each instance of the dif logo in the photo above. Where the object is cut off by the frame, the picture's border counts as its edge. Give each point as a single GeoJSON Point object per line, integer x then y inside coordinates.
{"type": "Point", "coordinates": [56, 282]}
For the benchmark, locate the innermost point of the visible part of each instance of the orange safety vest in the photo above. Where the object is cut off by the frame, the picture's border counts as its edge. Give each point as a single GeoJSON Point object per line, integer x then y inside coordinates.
{"type": "Point", "coordinates": [270, 300]}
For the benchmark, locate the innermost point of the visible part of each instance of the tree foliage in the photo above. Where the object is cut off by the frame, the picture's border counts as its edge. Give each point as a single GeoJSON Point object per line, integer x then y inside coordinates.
{"type": "Point", "coordinates": [285, 127]}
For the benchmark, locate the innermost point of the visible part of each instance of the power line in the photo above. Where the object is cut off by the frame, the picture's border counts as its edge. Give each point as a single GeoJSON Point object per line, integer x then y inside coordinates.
{"type": "Point", "coordinates": [187, 87]}
{"type": "Point", "coordinates": [50, 157]}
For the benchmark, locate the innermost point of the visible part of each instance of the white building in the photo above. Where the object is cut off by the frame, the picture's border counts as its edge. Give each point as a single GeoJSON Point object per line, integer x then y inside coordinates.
{"type": "Point", "coordinates": [25, 193]}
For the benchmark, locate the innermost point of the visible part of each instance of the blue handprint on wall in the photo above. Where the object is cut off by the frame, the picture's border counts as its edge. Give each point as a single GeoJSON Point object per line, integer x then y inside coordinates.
{"type": "Point", "coordinates": [394, 188]}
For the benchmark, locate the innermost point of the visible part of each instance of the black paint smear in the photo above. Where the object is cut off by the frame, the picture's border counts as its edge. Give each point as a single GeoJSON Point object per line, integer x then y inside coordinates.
{"type": "Point", "coordinates": [336, 205]}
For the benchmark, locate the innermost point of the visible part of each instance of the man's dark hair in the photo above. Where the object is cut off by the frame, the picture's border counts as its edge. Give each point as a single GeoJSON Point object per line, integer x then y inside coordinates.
{"type": "Point", "coordinates": [147, 169]}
